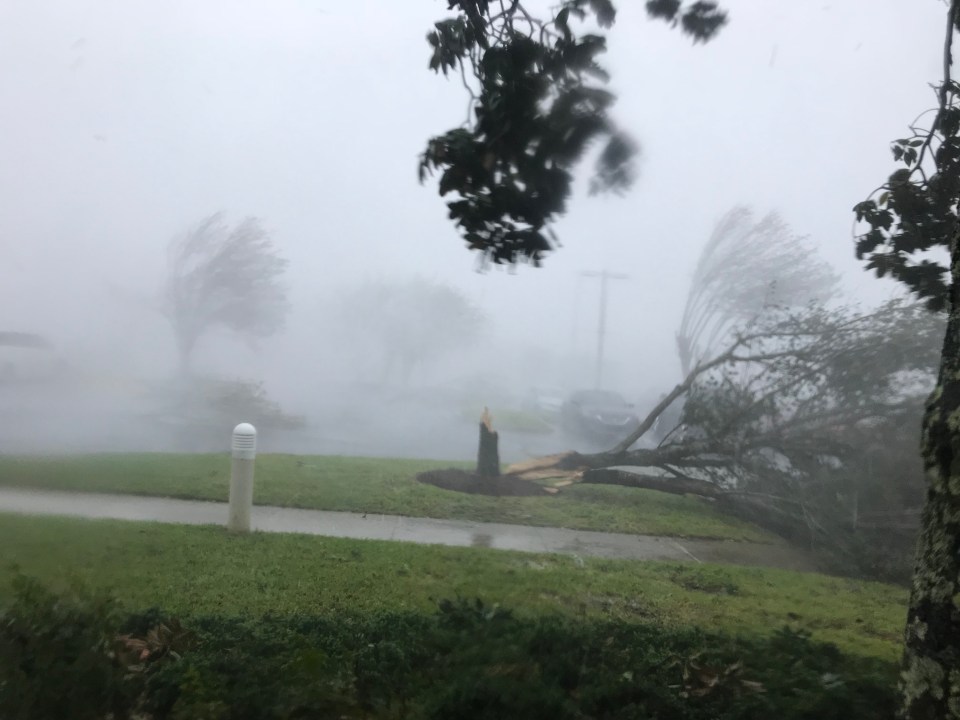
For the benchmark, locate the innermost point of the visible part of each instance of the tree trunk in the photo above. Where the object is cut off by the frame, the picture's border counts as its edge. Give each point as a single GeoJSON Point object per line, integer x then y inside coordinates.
{"type": "Point", "coordinates": [766, 511]}
{"type": "Point", "coordinates": [930, 680]}
{"type": "Point", "coordinates": [662, 483]}
{"type": "Point", "coordinates": [488, 454]}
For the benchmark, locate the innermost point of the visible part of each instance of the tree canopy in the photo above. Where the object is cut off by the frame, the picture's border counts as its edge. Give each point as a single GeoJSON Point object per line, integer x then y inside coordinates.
{"type": "Point", "coordinates": [407, 323]}
{"type": "Point", "coordinates": [909, 220]}
{"type": "Point", "coordinates": [536, 105]}
{"type": "Point", "coordinates": [747, 266]}
{"type": "Point", "coordinates": [224, 277]}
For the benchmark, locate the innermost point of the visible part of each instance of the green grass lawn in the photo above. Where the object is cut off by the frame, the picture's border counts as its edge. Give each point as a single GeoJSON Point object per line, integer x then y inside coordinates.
{"type": "Point", "coordinates": [376, 485]}
{"type": "Point", "coordinates": [191, 570]}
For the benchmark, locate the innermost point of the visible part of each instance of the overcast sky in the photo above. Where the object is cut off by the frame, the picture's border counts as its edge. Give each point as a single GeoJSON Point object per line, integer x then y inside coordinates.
{"type": "Point", "coordinates": [124, 121]}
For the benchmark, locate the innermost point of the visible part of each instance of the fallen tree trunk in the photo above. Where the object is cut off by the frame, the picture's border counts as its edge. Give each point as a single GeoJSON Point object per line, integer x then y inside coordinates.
{"type": "Point", "coordinates": [662, 483]}
{"type": "Point", "coordinates": [568, 463]}
{"type": "Point", "coordinates": [550, 466]}
{"type": "Point", "coordinates": [786, 517]}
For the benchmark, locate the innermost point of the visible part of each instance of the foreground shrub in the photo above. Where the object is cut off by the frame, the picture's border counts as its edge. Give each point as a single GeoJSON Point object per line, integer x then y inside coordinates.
{"type": "Point", "coordinates": [59, 656]}
{"type": "Point", "coordinates": [74, 658]}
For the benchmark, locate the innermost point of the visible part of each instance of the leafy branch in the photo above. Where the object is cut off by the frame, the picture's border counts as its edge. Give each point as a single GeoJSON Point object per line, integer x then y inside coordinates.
{"type": "Point", "coordinates": [914, 212]}
{"type": "Point", "coordinates": [535, 107]}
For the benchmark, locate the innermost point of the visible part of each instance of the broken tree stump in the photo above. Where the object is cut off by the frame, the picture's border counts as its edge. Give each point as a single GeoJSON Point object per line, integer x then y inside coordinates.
{"type": "Point", "coordinates": [488, 452]}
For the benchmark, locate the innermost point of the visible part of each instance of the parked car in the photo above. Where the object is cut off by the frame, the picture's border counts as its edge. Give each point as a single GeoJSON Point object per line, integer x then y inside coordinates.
{"type": "Point", "coordinates": [26, 357]}
{"type": "Point", "coordinates": [598, 415]}
{"type": "Point", "coordinates": [546, 402]}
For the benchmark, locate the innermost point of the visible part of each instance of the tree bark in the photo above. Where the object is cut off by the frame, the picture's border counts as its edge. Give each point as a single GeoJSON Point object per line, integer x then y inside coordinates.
{"type": "Point", "coordinates": [488, 454]}
{"type": "Point", "coordinates": [663, 483]}
{"type": "Point", "coordinates": [930, 679]}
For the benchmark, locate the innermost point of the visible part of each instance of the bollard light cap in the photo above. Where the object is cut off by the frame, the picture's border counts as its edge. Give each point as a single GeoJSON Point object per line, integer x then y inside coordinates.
{"type": "Point", "coordinates": [244, 441]}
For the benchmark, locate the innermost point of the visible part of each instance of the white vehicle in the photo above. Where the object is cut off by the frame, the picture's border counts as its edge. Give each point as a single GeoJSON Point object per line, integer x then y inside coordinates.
{"type": "Point", "coordinates": [26, 357]}
{"type": "Point", "coordinates": [544, 401]}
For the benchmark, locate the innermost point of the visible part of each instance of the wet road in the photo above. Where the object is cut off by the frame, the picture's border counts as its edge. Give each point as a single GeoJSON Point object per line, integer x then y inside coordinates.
{"type": "Point", "coordinates": [406, 529]}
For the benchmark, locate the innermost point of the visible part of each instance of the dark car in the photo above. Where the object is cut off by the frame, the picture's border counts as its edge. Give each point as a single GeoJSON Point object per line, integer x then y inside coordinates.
{"type": "Point", "coordinates": [598, 415]}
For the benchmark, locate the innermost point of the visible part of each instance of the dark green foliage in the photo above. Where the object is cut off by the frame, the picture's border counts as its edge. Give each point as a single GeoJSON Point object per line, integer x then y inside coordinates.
{"type": "Point", "coordinates": [469, 661]}
{"type": "Point", "coordinates": [533, 113]}
{"type": "Point", "coordinates": [914, 211]}
{"type": "Point", "coordinates": [244, 670]}
{"type": "Point", "coordinates": [700, 20]}
{"type": "Point", "coordinates": [59, 657]}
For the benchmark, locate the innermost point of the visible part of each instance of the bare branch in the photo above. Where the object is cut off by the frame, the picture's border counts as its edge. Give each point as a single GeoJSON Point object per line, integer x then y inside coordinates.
{"type": "Point", "coordinates": [679, 390]}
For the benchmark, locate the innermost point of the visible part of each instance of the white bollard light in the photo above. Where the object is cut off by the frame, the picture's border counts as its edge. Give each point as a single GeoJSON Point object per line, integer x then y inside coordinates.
{"type": "Point", "coordinates": [241, 477]}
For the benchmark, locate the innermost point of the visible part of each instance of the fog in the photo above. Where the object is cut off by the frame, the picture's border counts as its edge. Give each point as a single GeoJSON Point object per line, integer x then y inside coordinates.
{"type": "Point", "coordinates": [125, 123]}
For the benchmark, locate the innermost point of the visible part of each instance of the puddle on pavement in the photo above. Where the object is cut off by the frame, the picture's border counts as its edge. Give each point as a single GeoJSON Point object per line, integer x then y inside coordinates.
{"type": "Point", "coordinates": [481, 540]}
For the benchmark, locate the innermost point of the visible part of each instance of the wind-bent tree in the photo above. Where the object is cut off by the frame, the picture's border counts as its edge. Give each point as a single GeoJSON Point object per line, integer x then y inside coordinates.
{"type": "Point", "coordinates": [747, 265]}
{"type": "Point", "coordinates": [407, 324]}
{"type": "Point", "coordinates": [774, 426]}
{"type": "Point", "coordinates": [912, 234]}
{"type": "Point", "coordinates": [223, 277]}
{"type": "Point", "coordinates": [535, 107]}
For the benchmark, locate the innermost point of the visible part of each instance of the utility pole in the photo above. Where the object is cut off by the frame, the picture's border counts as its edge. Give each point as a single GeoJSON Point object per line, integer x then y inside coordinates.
{"type": "Point", "coordinates": [602, 322]}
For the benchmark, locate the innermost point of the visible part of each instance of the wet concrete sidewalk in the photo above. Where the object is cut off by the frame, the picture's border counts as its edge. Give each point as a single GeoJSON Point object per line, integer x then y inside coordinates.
{"type": "Point", "coordinates": [404, 529]}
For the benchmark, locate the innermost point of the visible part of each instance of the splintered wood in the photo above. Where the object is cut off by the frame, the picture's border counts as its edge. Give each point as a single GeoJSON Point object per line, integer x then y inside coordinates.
{"type": "Point", "coordinates": [487, 419]}
{"type": "Point", "coordinates": [563, 467]}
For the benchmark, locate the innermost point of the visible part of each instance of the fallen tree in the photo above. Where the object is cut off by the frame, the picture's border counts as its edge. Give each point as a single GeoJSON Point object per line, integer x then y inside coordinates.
{"type": "Point", "coordinates": [774, 427]}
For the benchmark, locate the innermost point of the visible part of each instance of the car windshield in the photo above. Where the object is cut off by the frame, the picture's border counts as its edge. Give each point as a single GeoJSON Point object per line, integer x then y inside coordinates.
{"type": "Point", "coordinates": [600, 397]}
